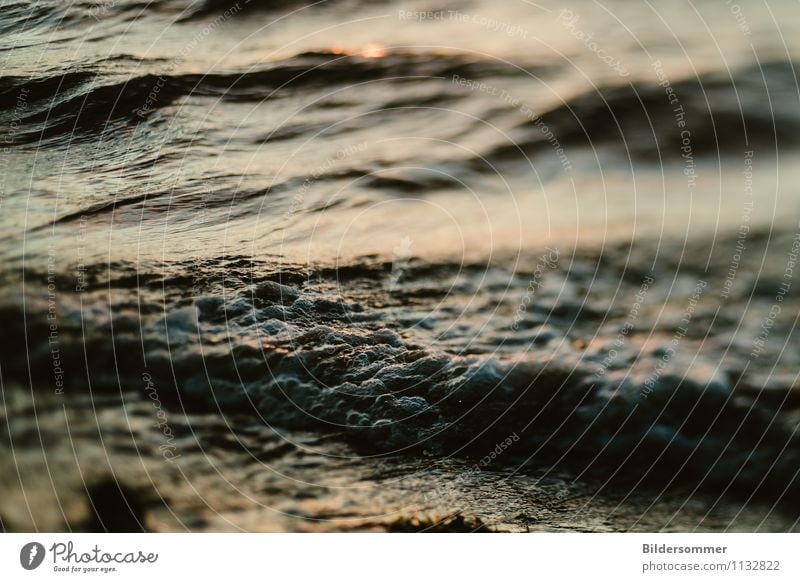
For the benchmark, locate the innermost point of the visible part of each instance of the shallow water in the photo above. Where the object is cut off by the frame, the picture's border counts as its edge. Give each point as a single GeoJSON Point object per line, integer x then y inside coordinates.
{"type": "Point", "coordinates": [421, 231]}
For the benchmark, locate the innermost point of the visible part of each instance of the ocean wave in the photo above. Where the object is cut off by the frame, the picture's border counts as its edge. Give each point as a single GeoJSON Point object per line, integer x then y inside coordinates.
{"type": "Point", "coordinates": [85, 102]}
{"type": "Point", "coordinates": [715, 113]}
{"type": "Point", "coordinates": [418, 363]}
